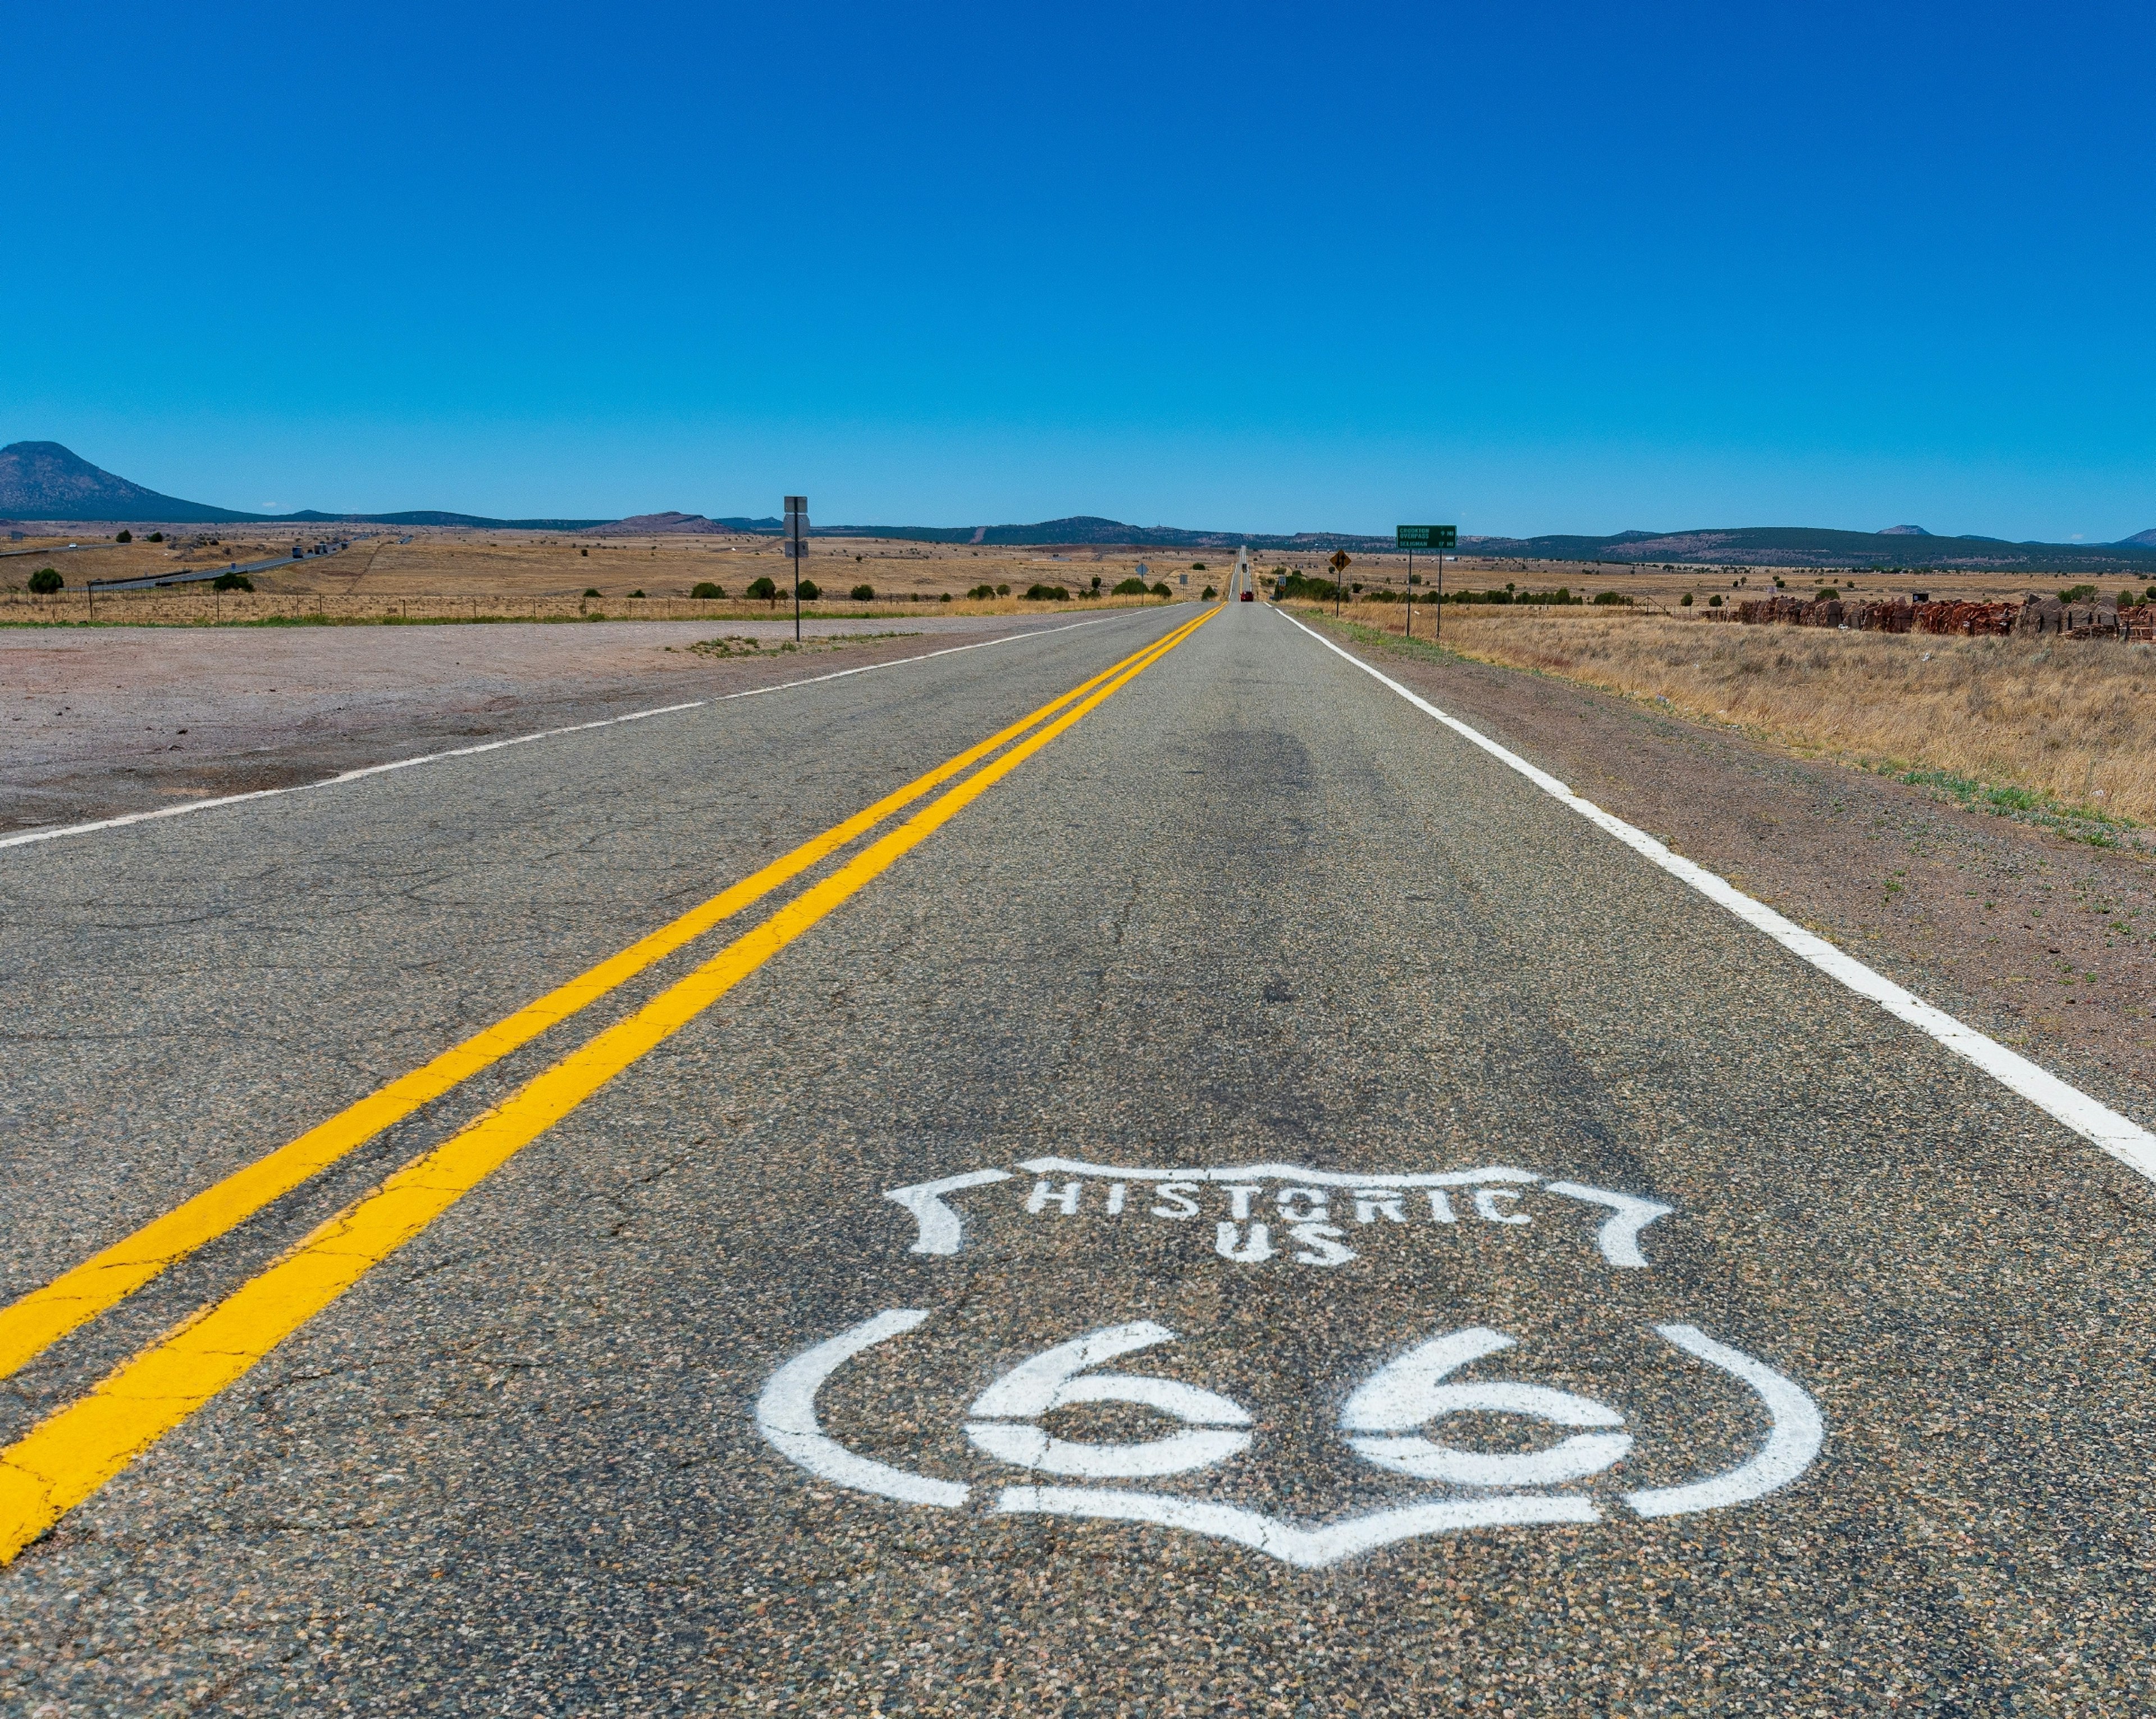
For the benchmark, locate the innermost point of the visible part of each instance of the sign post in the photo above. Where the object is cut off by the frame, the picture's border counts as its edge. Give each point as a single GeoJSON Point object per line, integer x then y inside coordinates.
{"type": "Point", "coordinates": [796, 550]}
{"type": "Point", "coordinates": [1340, 563]}
{"type": "Point", "coordinates": [1439, 538]}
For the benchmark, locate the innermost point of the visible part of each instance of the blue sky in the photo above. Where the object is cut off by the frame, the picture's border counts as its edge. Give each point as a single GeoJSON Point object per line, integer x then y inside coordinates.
{"type": "Point", "coordinates": [1527, 268]}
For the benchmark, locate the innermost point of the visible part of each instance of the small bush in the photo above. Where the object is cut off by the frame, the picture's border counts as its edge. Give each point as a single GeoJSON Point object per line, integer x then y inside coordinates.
{"type": "Point", "coordinates": [707, 590]}
{"type": "Point", "coordinates": [763, 590]}
{"type": "Point", "coordinates": [125, 537]}
{"type": "Point", "coordinates": [1613, 598]}
{"type": "Point", "coordinates": [591, 591]}
{"type": "Point", "coordinates": [1780, 584]}
{"type": "Point", "coordinates": [46, 580]}
{"type": "Point", "coordinates": [1684, 600]}
{"type": "Point", "coordinates": [583, 551]}
{"type": "Point", "coordinates": [636, 593]}
{"type": "Point", "coordinates": [982, 594]}
{"type": "Point", "coordinates": [1197, 566]}
{"type": "Point", "coordinates": [1210, 593]}
{"type": "Point", "coordinates": [156, 537]}
{"type": "Point", "coordinates": [1047, 593]}
{"type": "Point", "coordinates": [1130, 588]}
{"type": "Point", "coordinates": [1003, 590]}
{"type": "Point", "coordinates": [2077, 593]}
{"type": "Point", "coordinates": [1162, 590]}
{"type": "Point", "coordinates": [863, 593]}
{"type": "Point", "coordinates": [1714, 600]}
{"type": "Point", "coordinates": [943, 596]}
{"type": "Point", "coordinates": [232, 582]}
{"type": "Point", "coordinates": [810, 591]}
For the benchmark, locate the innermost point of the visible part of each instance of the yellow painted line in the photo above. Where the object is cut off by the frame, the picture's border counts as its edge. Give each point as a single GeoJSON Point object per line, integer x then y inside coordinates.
{"type": "Point", "coordinates": [67, 1456]}
{"type": "Point", "coordinates": [36, 1321]}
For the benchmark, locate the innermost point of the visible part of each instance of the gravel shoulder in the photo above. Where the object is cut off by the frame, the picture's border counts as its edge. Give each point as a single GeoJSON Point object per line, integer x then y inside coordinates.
{"type": "Point", "coordinates": [2041, 942]}
{"type": "Point", "coordinates": [102, 721]}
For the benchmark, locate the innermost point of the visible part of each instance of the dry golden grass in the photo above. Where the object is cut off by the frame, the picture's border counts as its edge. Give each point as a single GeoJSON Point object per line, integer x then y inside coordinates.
{"type": "Point", "coordinates": [2068, 721]}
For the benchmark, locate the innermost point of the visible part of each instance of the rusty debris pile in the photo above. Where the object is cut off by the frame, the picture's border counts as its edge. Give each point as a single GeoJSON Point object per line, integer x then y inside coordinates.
{"type": "Point", "coordinates": [2095, 617]}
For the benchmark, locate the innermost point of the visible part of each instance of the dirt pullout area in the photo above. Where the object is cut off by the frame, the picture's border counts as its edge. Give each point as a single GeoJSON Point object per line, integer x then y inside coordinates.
{"type": "Point", "coordinates": [96, 722]}
{"type": "Point", "coordinates": [2043, 942]}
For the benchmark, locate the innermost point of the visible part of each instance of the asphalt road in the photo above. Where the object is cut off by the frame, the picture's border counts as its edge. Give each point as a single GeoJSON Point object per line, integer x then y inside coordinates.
{"type": "Point", "coordinates": [1475, 1271]}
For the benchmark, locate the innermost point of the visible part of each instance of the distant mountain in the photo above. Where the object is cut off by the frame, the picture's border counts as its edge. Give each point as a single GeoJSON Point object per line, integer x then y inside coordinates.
{"type": "Point", "coordinates": [1810, 546]}
{"type": "Point", "coordinates": [44, 480]}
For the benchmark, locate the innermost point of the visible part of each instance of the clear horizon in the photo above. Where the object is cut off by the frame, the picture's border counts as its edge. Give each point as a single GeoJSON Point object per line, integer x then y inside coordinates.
{"type": "Point", "coordinates": [1560, 270]}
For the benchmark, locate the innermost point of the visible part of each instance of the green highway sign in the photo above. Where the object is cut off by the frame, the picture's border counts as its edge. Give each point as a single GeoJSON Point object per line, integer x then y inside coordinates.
{"type": "Point", "coordinates": [1429, 537]}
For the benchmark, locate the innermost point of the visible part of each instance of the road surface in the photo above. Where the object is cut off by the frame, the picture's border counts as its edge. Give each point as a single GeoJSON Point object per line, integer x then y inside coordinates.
{"type": "Point", "coordinates": [1222, 1193]}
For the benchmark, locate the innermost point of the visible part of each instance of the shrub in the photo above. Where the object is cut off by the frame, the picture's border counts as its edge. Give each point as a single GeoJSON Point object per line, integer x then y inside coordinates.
{"type": "Point", "coordinates": [232, 582]}
{"type": "Point", "coordinates": [981, 593]}
{"type": "Point", "coordinates": [125, 537]}
{"type": "Point", "coordinates": [706, 590]}
{"type": "Point", "coordinates": [863, 593]}
{"type": "Point", "coordinates": [1047, 593]}
{"type": "Point", "coordinates": [156, 537]}
{"type": "Point", "coordinates": [591, 591]}
{"type": "Point", "coordinates": [636, 593]}
{"type": "Point", "coordinates": [2077, 593]}
{"type": "Point", "coordinates": [1210, 593]}
{"type": "Point", "coordinates": [763, 590]}
{"type": "Point", "coordinates": [1684, 600]}
{"type": "Point", "coordinates": [1162, 590]}
{"type": "Point", "coordinates": [943, 596]}
{"type": "Point", "coordinates": [1612, 597]}
{"type": "Point", "coordinates": [1197, 566]}
{"type": "Point", "coordinates": [1003, 590]}
{"type": "Point", "coordinates": [1096, 584]}
{"type": "Point", "coordinates": [1714, 600]}
{"type": "Point", "coordinates": [583, 551]}
{"type": "Point", "coordinates": [46, 580]}
{"type": "Point", "coordinates": [1779, 584]}
{"type": "Point", "coordinates": [1132, 586]}
{"type": "Point", "coordinates": [810, 591]}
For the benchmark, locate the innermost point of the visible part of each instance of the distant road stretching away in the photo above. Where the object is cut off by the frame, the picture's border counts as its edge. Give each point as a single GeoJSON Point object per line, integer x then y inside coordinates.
{"type": "Point", "coordinates": [1140, 1170]}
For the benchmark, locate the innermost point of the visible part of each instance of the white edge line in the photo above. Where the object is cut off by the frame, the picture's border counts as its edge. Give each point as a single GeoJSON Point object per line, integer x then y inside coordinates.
{"type": "Point", "coordinates": [25, 838]}
{"type": "Point", "coordinates": [2101, 1125]}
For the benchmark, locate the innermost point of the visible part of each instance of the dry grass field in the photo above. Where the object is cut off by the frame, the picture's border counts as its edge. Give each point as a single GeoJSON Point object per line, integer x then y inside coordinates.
{"type": "Point", "coordinates": [2037, 727]}
{"type": "Point", "coordinates": [453, 575]}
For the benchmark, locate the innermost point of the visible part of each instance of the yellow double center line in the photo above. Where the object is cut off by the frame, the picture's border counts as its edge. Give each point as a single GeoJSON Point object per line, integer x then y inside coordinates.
{"type": "Point", "coordinates": [73, 1452]}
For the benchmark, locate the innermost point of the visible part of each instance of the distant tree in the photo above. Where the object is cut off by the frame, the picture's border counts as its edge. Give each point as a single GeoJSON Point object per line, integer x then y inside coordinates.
{"type": "Point", "coordinates": [1684, 600]}
{"type": "Point", "coordinates": [125, 537]}
{"type": "Point", "coordinates": [1714, 600]}
{"type": "Point", "coordinates": [1210, 593]}
{"type": "Point", "coordinates": [1162, 590]}
{"type": "Point", "coordinates": [583, 551]}
{"type": "Point", "coordinates": [1047, 593]}
{"type": "Point", "coordinates": [706, 590]}
{"type": "Point", "coordinates": [636, 593]}
{"type": "Point", "coordinates": [810, 591]}
{"type": "Point", "coordinates": [156, 536]}
{"type": "Point", "coordinates": [591, 591]}
{"type": "Point", "coordinates": [863, 593]}
{"type": "Point", "coordinates": [1131, 588]}
{"type": "Point", "coordinates": [764, 591]}
{"type": "Point", "coordinates": [1003, 590]}
{"type": "Point", "coordinates": [232, 582]}
{"type": "Point", "coordinates": [46, 580]}
{"type": "Point", "coordinates": [1197, 566]}
{"type": "Point", "coordinates": [943, 596]}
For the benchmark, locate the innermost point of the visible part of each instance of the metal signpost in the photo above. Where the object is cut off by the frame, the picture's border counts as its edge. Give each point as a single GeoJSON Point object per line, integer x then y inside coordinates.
{"type": "Point", "coordinates": [1340, 563]}
{"type": "Point", "coordinates": [1439, 538]}
{"type": "Point", "coordinates": [796, 550]}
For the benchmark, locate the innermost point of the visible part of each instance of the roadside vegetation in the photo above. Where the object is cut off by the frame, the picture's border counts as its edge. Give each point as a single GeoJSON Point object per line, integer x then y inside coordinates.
{"type": "Point", "coordinates": [2052, 732]}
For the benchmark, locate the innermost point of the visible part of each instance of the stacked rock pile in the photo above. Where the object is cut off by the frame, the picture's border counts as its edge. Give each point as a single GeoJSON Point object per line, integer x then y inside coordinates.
{"type": "Point", "coordinates": [2034, 616]}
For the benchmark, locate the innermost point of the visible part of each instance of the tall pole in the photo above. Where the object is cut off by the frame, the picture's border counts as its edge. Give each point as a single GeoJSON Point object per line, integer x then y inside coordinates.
{"type": "Point", "coordinates": [1410, 593]}
{"type": "Point", "coordinates": [797, 546]}
{"type": "Point", "coordinates": [1437, 620]}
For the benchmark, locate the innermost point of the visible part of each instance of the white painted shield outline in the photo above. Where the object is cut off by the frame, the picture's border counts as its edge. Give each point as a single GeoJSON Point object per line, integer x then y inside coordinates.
{"type": "Point", "coordinates": [786, 1415]}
